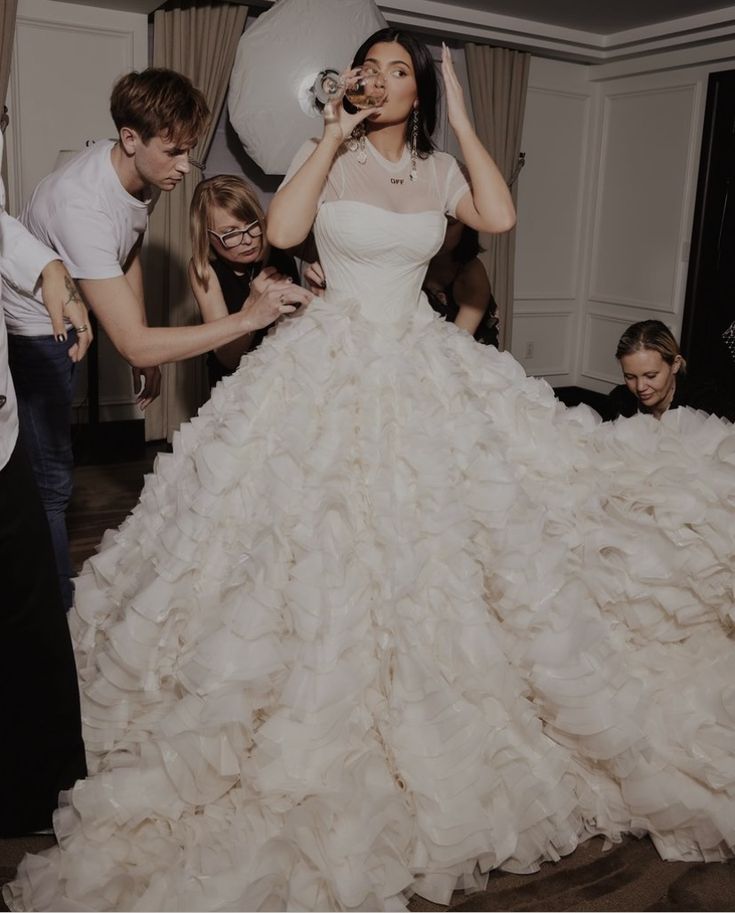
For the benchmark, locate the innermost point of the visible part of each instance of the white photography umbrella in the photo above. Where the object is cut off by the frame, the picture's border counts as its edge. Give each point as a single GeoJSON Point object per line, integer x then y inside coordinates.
{"type": "Point", "coordinates": [271, 102]}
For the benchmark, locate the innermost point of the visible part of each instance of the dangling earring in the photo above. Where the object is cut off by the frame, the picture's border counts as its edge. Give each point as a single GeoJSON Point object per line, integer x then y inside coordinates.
{"type": "Point", "coordinates": [357, 143]}
{"type": "Point", "coordinates": [414, 138]}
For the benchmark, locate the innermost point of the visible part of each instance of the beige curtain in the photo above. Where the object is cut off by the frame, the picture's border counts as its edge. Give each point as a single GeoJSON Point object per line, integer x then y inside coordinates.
{"type": "Point", "coordinates": [199, 41]}
{"type": "Point", "coordinates": [8, 9]}
{"type": "Point", "coordinates": [498, 79]}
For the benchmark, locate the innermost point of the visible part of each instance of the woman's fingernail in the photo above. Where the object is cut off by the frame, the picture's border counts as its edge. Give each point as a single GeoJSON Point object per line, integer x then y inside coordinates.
{"type": "Point", "coordinates": [323, 284]}
{"type": "Point", "coordinates": [60, 337]}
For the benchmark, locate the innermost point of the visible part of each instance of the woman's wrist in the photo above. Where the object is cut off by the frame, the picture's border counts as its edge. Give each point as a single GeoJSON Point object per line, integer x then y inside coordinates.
{"type": "Point", "coordinates": [464, 130]}
{"type": "Point", "coordinates": [332, 138]}
{"type": "Point", "coordinates": [244, 318]}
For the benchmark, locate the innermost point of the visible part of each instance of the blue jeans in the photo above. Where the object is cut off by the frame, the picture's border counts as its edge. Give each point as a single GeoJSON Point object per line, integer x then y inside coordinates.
{"type": "Point", "coordinates": [43, 375]}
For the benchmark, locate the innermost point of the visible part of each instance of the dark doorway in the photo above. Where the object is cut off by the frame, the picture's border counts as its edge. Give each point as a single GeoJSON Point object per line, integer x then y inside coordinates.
{"type": "Point", "coordinates": [710, 297]}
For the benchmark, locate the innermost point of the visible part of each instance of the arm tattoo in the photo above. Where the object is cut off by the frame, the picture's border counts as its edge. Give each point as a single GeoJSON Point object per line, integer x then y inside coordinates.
{"type": "Point", "coordinates": [72, 291]}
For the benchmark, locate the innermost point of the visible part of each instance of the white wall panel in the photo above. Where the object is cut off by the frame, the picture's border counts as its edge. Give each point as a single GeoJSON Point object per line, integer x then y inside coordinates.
{"type": "Point", "coordinates": [66, 100]}
{"type": "Point", "coordinates": [542, 343]}
{"type": "Point", "coordinates": [553, 210]}
{"type": "Point", "coordinates": [641, 201]}
{"type": "Point", "coordinates": [550, 194]}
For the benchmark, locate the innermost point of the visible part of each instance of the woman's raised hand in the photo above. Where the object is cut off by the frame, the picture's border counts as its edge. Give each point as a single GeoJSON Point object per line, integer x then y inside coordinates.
{"type": "Point", "coordinates": [271, 296]}
{"type": "Point", "coordinates": [456, 110]}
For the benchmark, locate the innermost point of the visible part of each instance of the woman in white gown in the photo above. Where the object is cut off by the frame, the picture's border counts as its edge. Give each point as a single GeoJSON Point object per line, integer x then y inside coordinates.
{"type": "Point", "coordinates": [389, 615]}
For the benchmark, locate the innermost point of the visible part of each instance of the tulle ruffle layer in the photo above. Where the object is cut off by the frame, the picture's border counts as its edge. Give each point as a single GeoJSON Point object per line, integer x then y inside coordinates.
{"type": "Point", "coordinates": [390, 616]}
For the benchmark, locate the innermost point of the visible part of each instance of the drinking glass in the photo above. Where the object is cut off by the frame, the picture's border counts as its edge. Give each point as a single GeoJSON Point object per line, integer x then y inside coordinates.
{"type": "Point", "coordinates": [364, 87]}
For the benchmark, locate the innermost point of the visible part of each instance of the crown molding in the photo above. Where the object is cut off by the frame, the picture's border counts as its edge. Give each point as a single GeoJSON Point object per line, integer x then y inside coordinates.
{"type": "Point", "coordinates": [123, 6]}
{"type": "Point", "coordinates": [464, 24]}
{"type": "Point", "coordinates": [484, 27]}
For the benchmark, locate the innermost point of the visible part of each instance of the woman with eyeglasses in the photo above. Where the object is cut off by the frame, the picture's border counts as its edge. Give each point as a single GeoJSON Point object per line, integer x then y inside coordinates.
{"type": "Point", "coordinates": [232, 265]}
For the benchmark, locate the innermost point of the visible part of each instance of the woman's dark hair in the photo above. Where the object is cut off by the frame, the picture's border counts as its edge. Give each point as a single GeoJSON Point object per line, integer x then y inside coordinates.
{"type": "Point", "coordinates": [469, 245]}
{"type": "Point", "coordinates": [652, 335]}
{"type": "Point", "coordinates": [427, 85]}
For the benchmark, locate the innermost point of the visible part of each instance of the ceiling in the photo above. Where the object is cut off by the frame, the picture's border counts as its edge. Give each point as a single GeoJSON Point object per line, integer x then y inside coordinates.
{"type": "Point", "coordinates": [595, 16]}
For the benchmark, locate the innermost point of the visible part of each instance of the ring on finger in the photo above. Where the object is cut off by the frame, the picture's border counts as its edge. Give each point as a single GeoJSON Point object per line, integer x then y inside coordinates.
{"type": "Point", "coordinates": [82, 329]}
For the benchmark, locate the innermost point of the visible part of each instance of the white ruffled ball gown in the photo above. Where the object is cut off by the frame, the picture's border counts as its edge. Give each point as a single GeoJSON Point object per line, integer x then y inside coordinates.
{"type": "Point", "coordinates": [390, 616]}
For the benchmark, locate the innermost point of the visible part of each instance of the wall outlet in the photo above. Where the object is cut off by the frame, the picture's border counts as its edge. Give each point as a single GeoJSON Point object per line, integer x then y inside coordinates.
{"type": "Point", "coordinates": [529, 350]}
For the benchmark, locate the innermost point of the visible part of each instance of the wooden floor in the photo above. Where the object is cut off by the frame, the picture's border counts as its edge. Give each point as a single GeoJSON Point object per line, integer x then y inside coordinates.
{"type": "Point", "coordinates": [630, 876]}
{"type": "Point", "coordinates": [103, 497]}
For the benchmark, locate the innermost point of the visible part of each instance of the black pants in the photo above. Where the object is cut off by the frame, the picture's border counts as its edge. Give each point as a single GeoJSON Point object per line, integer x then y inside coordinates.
{"type": "Point", "coordinates": [42, 750]}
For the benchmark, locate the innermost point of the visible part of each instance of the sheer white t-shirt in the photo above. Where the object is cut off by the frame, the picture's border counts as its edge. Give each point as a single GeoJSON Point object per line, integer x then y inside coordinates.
{"type": "Point", "coordinates": [439, 185]}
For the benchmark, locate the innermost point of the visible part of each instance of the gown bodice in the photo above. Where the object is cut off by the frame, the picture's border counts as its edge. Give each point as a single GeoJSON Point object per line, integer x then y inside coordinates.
{"type": "Point", "coordinates": [376, 257]}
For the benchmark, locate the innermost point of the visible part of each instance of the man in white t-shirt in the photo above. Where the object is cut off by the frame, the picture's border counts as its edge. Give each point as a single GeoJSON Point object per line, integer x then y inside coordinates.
{"type": "Point", "coordinates": [39, 699]}
{"type": "Point", "coordinates": [93, 212]}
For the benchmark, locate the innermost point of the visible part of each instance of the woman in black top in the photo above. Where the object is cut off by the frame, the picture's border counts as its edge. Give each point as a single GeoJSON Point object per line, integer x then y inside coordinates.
{"type": "Point", "coordinates": [457, 286]}
{"type": "Point", "coordinates": [655, 376]}
{"type": "Point", "coordinates": [232, 263]}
